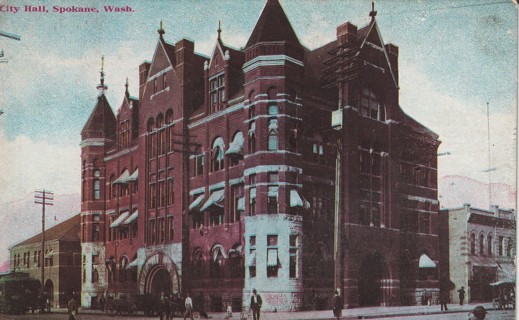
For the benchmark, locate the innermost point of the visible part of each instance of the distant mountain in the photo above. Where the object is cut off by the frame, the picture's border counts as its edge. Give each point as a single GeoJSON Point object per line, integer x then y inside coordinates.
{"type": "Point", "coordinates": [454, 191]}
{"type": "Point", "coordinates": [21, 219]}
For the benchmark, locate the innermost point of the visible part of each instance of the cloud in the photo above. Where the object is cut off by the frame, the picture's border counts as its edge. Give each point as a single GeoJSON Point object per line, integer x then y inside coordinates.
{"type": "Point", "coordinates": [462, 128]}
{"type": "Point", "coordinates": [27, 165]}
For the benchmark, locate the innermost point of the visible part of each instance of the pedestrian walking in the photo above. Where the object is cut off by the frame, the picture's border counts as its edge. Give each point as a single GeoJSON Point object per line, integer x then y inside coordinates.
{"type": "Point", "coordinates": [444, 299]}
{"type": "Point", "coordinates": [72, 308]}
{"type": "Point", "coordinates": [461, 295]}
{"type": "Point", "coordinates": [255, 304]}
{"type": "Point", "coordinates": [337, 305]}
{"type": "Point", "coordinates": [189, 307]}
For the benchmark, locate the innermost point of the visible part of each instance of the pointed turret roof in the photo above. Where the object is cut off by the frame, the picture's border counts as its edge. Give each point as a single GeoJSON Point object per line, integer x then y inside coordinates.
{"type": "Point", "coordinates": [101, 122]}
{"type": "Point", "coordinates": [273, 25]}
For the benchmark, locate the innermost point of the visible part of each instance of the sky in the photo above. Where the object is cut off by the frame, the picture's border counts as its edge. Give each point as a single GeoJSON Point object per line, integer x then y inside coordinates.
{"type": "Point", "coordinates": [454, 57]}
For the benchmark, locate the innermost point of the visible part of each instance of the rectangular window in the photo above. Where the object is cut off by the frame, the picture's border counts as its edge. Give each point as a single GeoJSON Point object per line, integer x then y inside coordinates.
{"type": "Point", "coordinates": [153, 231]}
{"type": "Point", "coordinates": [171, 191]}
{"type": "Point", "coordinates": [216, 218]}
{"type": "Point", "coordinates": [171, 228]}
{"type": "Point", "coordinates": [272, 200]}
{"type": "Point", "coordinates": [153, 196]}
{"type": "Point", "coordinates": [97, 189]}
{"type": "Point", "coordinates": [272, 256]}
{"type": "Point", "coordinates": [198, 166]}
{"type": "Point", "coordinates": [164, 81]}
{"type": "Point", "coordinates": [162, 194]}
{"type": "Point", "coordinates": [252, 263]}
{"type": "Point", "coordinates": [162, 231]}
{"type": "Point", "coordinates": [252, 201]}
{"type": "Point", "coordinates": [96, 232]}
{"type": "Point", "coordinates": [500, 246]}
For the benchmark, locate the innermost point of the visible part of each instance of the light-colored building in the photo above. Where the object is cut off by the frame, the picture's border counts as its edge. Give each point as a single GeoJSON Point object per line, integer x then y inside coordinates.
{"type": "Point", "coordinates": [477, 248]}
{"type": "Point", "coordinates": [62, 258]}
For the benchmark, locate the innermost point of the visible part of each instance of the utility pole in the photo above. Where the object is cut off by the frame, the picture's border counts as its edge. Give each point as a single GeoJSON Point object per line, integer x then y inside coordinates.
{"type": "Point", "coordinates": [45, 198]}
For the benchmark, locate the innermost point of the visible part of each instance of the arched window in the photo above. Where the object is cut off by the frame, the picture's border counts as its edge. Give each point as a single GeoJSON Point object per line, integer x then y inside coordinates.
{"type": "Point", "coordinates": [217, 261]}
{"type": "Point", "coordinates": [273, 110]}
{"type": "Point", "coordinates": [169, 116]}
{"type": "Point", "coordinates": [236, 258]}
{"type": "Point", "coordinates": [490, 244]}
{"type": "Point", "coordinates": [473, 243]}
{"type": "Point", "coordinates": [170, 135]}
{"type": "Point", "coordinates": [197, 264]}
{"type": "Point", "coordinates": [273, 135]}
{"type": "Point", "coordinates": [370, 106]}
{"type": "Point", "coordinates": [123, 269]}
{"type": "Point", "coordinates": [218, 154]}
{"type": "Point", "coordinates": [252, 137]}
{"type": "Point", "coordinates": [151, 124]}
{"type": "Point", "coordinates": [509, 246]}
{"type": "Point", "coordinates": [481, 244]}
{"type": "Point", "coordinates": [97, 184]}
{"type": "Point", "coordinates": [162, 134]}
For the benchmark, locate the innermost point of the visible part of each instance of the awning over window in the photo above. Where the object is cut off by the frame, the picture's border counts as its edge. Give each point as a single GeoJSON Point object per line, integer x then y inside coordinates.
{"type": "Point", "coordinates": [297, 201]}
{"type": "Point", "coordinates": [272, 257]}
{"type": "Point", "coordinates": [133, 264]}
{"type": "Point", "coordinates": [426, 262]}
{"type": "Point", "coordinates": [49, 254]}
{"type": "Point", "coordinates": [236, 251]}
{"type": "Point", "coordinates": [197, 202]}
{"type": "Point", "coordinates": [252, 194]}
{"type": "Point", "coordinates": [273, 192]}
{"type": "Point", "coordinates": [215, 199]}
{"type": "Point", "coordinates": [117, 222]}
{"type": "Point", "coordinates": [252, 129]}
{"type": "Point", "coordinates": [132, 218]}
{"type": "Point", "coordinates": [236, 146]}
{"type": "Point", "coordinates": [241, 204]}
{"type": "Point", "coordinates": [134, 176]}
{"type": "Point", "coordinates": [251, 262]}
{"type": "Point", "coordinates": [124, 178]}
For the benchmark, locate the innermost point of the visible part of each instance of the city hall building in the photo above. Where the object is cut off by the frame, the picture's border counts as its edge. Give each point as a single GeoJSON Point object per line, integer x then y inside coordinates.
{"type": "Point", "coordinates": [220, 177]}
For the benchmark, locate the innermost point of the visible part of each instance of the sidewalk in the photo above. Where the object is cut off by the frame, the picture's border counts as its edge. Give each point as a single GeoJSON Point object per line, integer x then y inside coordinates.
{"type": "Point", "coordinates": [355, 313]}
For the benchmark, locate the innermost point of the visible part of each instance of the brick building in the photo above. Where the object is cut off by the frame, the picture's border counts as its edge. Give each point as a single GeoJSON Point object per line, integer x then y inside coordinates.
{"type": "Point", "coordinates": [477, 248]}
{"type": "Point", "coordinates": [62, 258]}
{"type": "Point", "coordinates": [220, 177]}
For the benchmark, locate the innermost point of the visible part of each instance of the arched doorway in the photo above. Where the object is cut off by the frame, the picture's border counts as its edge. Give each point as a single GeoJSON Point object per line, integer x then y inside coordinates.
{"type": "Point", "coordinates": [159, 273]}
{"type": "Point", "coordinates": [49, 292]}
{"type": "Point", "coordinates": [159, 281]}
{"type": "Point", "coordinates": [371, 273]}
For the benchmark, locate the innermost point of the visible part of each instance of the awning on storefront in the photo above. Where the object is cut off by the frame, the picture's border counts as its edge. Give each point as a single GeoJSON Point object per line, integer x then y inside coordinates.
{"type": "Point", "coordinates": [272, 257]}
{"type": "Point", "coordinates": [133, 217]}
{"type": "Point", "coordinates": [215, 199]}
{"type": "Point", "coordinates": [251, 262]}
{"type": "Point", "coordinates": [426, 262]}
{"type": "Point", "coordinates": [197, 202]}
{"type": "Point", "coordinates": [117, 222]}
{"type": "Point", "coordinates": [236, 146]}
{"type": "Point", "coordinates": [123, 178]}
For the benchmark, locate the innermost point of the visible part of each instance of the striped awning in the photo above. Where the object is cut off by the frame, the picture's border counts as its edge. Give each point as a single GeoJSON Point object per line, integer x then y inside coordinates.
{"type": "Point", "coordinates": [426, 262]}
{"type": "Point", "coordinates": [241, 204]}
{"type": "Point", "coordinates": [215, 199]}
{"type": "Point", "coordinates": [134, 176]}
{"type": "Point", "coordinates": [236, 146]}
{"type": "Point", "coordinates": [117, 222]}
{"type": "Point", "coordinates": [123, 178]}
{"type": "Point", "coordinates": [197, 202]}
{"type": "Point", "coordinates": [133, 217]}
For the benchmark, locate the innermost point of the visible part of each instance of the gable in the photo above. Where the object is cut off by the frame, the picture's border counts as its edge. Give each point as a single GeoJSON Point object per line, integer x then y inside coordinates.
{"type": "Point", "coordinates": [160, 60]}
{"type": "Point", "coordinates": [217, 58]}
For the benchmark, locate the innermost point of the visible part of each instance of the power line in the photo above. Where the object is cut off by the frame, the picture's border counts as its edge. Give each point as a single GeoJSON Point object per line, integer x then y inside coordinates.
{"type": "Point", "coordinates": [445, 8]}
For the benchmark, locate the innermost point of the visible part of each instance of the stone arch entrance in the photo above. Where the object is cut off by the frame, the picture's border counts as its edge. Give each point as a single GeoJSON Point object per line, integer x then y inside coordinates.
{"type": "Point", "coordinates": [48, 291]}
{"type": "Point", "coordinates": [371, 278]}
{"type": "Point", "coordinates": [159, 273]}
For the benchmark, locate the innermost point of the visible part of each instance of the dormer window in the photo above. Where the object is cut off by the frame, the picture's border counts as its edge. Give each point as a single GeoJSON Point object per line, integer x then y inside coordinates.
{"type": "Point", "coordinates": [370, 106]}
{"type": "Point", "coordinates": [217, 93]}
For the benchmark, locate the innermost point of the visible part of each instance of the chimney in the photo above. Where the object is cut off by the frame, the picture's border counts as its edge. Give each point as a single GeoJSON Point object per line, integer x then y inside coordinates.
{"type": "Point", "coordinates": [144, 69]}
{"type": "Point", "coordinates": [346, 32]}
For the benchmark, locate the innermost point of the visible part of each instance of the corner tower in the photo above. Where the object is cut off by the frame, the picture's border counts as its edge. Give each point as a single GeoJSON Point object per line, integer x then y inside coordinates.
{"type": "Point", "coordinates": [96, 134]}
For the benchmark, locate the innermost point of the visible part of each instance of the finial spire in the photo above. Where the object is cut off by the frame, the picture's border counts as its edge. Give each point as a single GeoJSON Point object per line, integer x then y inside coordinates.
{"type": "Point", "coordinates": [219, 28]}
{"type": "Point", "coordinates": [373, 13]}
{"type": "Point", "coordinates": [102, 87]}
{"type": "Point", "coordinates": [126, 85]}
{"type": "Point", "coordinates": [161, 30]}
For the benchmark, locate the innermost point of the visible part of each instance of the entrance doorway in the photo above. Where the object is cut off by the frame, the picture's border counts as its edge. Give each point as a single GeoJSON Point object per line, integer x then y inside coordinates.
{"type": "Point", "coordinates": [160, 280]}
{"type": "Point", "coordinates": [371, 273]}
{"type": "Point", "coordinates": [49, 292]}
